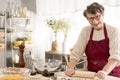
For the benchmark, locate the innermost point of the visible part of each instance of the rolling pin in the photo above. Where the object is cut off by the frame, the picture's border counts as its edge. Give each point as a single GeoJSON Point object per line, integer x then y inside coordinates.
{"type": "Point", "coordinates": [88, 74]}
{"type": "Point", "coordinates": [85, 74]}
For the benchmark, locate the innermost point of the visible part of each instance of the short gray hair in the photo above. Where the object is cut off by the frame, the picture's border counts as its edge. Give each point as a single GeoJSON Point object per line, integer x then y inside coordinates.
{"type": "Point", "coordinates": [93, 9]}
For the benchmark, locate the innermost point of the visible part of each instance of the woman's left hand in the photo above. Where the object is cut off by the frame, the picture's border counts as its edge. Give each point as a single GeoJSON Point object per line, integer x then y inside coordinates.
{"type": "Point", "coordinates": [101, 74]}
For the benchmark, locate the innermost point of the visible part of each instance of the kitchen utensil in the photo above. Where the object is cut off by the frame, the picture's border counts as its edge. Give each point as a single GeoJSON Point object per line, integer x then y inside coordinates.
{"type": "Point", "coordinates": [84, 74]}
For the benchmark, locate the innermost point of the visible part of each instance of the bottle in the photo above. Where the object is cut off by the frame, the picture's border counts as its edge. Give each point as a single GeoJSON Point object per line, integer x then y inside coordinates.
{"type": "Point", "coordinates": [28, 25]}
{"type": "Point", "coordinates": [8, 11]}
{"type": "Point", "coordinates": [25, 12]}
{"type": "Point", "coordinates": [28, 59]}
{"type": "Point", "coordinates": [21, 57]}
{"type": "Point", "coordinates": [16, 58]}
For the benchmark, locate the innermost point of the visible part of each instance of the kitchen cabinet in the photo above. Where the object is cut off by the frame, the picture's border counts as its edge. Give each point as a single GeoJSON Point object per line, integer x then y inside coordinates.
{"type": "Point", "coordinates": [3, 40]}
{"type": "Point", "coordinates": [19, 30]}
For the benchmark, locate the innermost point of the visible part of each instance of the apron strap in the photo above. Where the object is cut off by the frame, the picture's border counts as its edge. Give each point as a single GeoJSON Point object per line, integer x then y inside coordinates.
{"type": "Point", "coordinates": [105, 31]}
{"type": "Point", "coordinates": [91, 34]}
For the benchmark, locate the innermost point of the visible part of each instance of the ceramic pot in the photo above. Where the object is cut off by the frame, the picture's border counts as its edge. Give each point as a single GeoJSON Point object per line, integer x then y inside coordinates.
{"type": "Point", "coordinates": [54, 46]}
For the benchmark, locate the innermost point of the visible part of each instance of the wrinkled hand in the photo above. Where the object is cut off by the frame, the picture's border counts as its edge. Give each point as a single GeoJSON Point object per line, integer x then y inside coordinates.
{"type": "Point", "coordinates": [69, 72]}
{"type": "Point", "coordinates": [101, 74]}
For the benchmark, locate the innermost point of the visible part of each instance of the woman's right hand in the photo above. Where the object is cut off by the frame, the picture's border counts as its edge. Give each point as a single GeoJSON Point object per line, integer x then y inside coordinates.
{"type": "Point", "coordinates": [70, 68]}
{"type": "Point", "coordinates": [69, 72]}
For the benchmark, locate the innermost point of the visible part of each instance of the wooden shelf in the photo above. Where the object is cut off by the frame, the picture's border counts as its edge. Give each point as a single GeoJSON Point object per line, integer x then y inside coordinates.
{"type": "Point", "coordinates": [57, 53]}
{"type": "Point", "coordinates": [26, 46]}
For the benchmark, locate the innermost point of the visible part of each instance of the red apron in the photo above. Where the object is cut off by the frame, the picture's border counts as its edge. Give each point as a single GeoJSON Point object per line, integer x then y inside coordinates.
{"type": "Point", "coordinates": [97, 53]}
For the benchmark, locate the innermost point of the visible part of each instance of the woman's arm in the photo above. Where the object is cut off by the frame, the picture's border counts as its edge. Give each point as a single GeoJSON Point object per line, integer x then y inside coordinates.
{"type": "Point", "coordinates": [110, 65]}
{"type": "Point", "coordinates": [107, 68]}
{"type": "Point", "coordinates": [78, 51]}
{"type": "Point", "coordinates": [72, 63]}
{"type": "Point", "coordinates": [70, 68]}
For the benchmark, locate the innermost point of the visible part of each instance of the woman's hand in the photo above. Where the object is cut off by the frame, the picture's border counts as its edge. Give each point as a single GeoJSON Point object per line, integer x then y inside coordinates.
{"type": "Point", "coordinates": [101, 74]}
{"type": "Point", "coordinates": [107, 69]}
{"type": "Point", "coordinates": [70, 67]}
{"type": "Point", "coordinates": [69, 71]}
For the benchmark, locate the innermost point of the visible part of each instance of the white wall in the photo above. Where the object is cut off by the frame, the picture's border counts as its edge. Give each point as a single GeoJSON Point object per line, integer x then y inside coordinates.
{"type": "Point", "coordinates": [112, 16]}
{"type": "Point", "coordinates": [44, 36]}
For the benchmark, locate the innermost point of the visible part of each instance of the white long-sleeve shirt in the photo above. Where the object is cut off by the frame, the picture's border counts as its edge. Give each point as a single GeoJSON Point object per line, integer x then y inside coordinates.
{"type": "Point", "coordinates": [114, 41]}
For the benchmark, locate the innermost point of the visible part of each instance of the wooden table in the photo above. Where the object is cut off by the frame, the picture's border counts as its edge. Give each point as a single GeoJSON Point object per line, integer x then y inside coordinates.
{"type": "Point", "coordinates": [38, 77]}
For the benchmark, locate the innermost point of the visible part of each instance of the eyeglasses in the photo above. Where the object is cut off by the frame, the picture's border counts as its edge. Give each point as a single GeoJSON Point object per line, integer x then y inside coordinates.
{"type": "Point", "coordinates": [97, 17]}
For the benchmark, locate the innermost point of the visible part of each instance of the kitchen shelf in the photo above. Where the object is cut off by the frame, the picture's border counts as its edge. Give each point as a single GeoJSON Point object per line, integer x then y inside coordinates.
{"type": "Point", "coordinates": [26, 46]}
{"type": "Point", "coordinates": [3, 41]}
{"type": "Point", "coordinates": [18, 29]}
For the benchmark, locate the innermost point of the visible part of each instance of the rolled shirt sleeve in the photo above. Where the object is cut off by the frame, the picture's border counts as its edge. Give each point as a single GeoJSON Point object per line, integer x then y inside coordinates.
{"type": "Point", "coordinates": [114, 43]}
{"type": "Point", "coordinates": [80, 45]}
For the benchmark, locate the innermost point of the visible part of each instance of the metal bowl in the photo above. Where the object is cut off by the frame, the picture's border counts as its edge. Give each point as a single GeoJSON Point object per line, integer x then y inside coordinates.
{"type": "Point", "coordinates": [49, 64]}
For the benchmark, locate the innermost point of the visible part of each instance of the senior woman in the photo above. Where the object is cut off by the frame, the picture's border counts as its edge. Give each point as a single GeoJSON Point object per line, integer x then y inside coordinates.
{"type": "Point", "coordinates": [100, 42]}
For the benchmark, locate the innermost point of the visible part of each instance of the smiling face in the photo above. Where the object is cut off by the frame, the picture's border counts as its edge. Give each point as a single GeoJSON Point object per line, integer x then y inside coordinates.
{"type": "Point", "coordinates": [96, 20]}
{"type": "Point", "coordinates": [94, 13]}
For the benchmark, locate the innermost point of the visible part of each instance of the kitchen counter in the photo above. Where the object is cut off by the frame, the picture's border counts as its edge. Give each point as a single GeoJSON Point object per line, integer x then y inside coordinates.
{"type": "Point", "coordinates": [4, 72]}
{"type": "Point", "coordinates": [79, 75]}
{"type": "Point", "coordinates": [38, 77]}
{"type": "Point", "coordinates": [35, 77]}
